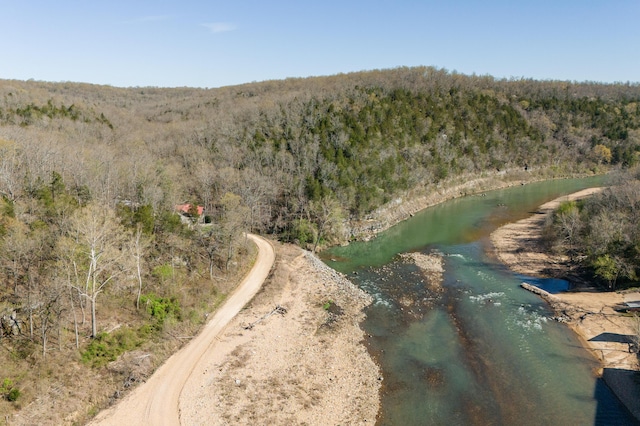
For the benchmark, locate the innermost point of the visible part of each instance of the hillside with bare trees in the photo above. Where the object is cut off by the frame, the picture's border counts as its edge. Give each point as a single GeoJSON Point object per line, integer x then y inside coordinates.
{"type": "Point", "coordinates": [600, 235]}
{"type": "Point", "coordinates": [96, 262]}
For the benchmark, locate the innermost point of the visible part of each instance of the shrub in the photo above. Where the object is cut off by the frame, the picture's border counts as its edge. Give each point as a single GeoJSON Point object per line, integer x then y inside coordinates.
{"type": "Point", "coordinates": [9, 391]}
{"type": "Point", "coordinates": [304, 232]}
{"type": "Point", "coordinates": [161, 308]}
{"type": "Point", "coordinates": [107, 347]}
{"type": "Point", "coordinates": [170, 222]}
{"type": "Point", "coordinates": [13, 394]}
{"type": "Point", "coordinates": [164, 272]}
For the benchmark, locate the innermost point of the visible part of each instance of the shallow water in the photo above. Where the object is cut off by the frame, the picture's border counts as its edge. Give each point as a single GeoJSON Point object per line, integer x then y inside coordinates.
{"type": "Point", "coordinates": [478, 350]}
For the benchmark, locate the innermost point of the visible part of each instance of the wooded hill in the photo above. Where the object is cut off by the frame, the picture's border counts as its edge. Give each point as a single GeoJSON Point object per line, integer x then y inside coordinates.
{"type": "Point", "coordinates": [600, 235]}
{"type": "Point", "coordinates": [90, 177]}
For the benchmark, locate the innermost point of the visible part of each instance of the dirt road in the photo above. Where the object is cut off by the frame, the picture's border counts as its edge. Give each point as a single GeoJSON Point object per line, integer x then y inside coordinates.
{"type": "Point", "coordinates": [156, 401]}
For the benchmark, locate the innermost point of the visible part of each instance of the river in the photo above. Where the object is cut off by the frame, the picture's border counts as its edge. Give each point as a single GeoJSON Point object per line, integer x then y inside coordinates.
{"type": "Point", "coordinates": [478, 350]}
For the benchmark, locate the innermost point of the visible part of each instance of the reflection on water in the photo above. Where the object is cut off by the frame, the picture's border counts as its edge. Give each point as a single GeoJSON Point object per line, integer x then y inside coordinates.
{"type": "Point", "coordinates": [551, 285]}
{"type": "Point", "coordinates": [474, 349]}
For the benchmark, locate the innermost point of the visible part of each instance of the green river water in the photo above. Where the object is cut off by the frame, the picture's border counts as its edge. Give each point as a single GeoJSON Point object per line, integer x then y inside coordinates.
{"type": "Point", "coordinates": [480, 350]}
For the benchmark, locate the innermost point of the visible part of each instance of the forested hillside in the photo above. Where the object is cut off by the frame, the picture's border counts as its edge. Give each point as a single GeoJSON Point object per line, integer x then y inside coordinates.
{"type": "Point", "coordinates": [90, 176]}
{"type": "Point", "coordinates": [601, 234]}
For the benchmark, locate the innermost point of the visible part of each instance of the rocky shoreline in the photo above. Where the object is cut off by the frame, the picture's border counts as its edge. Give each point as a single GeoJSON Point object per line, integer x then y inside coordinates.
{"type": "Point", "coordinates": [420, 198]}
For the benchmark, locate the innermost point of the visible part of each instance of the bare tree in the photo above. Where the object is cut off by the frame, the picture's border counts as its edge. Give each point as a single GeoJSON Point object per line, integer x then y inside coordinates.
{"type": "Point", "coordinates": [208, 241]}
{"type": "Point", "coordinates": [9, 170]}
{"type": "Point", "coordinates": [139, 245]}
{"type": "Point", "coordinates": [231, 224]}
{"type": "Point", "coordinates": [99, 253]}
{"type": "Point", "coordinates": [15, 247]}
{"type": "Point", "coordinates": [570, 224]}
{"type": "Point", "coordinates": [49, 313]}
{"type": "Point", "coordinates": [21, 255]}
{"type": "Point", "coordinates": [327, 214]}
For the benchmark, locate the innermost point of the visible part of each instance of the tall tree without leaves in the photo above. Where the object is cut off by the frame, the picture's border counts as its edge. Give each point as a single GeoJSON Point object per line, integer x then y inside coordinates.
{"type": "Point", "coordinates": [233, 219]}
{"type": "Point", "coordinates": [138, 245]}
{"type": "Point", "coordinates": [99, 253]}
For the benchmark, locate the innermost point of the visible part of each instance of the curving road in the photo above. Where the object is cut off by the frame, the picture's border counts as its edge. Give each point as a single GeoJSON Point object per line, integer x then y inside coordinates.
{"type": "Point", "coordinates": [156, 401]}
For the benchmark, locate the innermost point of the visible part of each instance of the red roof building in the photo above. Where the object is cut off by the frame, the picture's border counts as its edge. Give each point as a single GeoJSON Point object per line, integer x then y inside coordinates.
{"type": "Point", "coordinates": [186, 208]}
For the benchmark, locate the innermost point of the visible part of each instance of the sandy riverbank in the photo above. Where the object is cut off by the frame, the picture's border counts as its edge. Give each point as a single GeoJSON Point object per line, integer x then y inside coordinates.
{"type": "Point", "coordinates": [307, 365]}
{"type": "Point", "coordinates": [590, 314]}
{"type": "Point", "coordinates": [518, 245]}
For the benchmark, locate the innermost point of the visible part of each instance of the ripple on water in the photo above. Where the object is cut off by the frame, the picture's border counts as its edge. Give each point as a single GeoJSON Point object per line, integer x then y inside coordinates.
{"type": "Point", "coordinates": [457, 255]}
{"type": "Point", "coordinates": [527, 319]}
{"type": "Point", "coordinates": [493, 298]}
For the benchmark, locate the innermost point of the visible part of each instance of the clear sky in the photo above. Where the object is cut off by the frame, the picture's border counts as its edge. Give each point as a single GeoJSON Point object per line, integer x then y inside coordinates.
{"type": "Point", "coordinates": [211, 43]}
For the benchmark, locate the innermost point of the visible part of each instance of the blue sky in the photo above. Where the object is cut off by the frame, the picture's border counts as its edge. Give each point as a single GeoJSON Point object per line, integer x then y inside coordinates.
{"type": "Point", "coordinates": [201, 43]}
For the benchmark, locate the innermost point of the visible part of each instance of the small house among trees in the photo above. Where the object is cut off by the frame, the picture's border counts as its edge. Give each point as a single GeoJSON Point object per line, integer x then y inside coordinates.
{"type": "Point", "coordinates": [190, 213]}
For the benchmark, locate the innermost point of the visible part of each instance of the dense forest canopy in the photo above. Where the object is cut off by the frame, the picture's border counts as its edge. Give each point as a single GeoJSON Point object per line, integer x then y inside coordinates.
{"type": "Point", "coordinates": [90, 177]}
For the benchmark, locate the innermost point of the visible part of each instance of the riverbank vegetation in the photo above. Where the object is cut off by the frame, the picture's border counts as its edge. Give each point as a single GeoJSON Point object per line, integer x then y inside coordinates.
{"type": "Point", "coordinates": [95, 259]}
{"type": "Point", "coordinates": [600, 234]}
